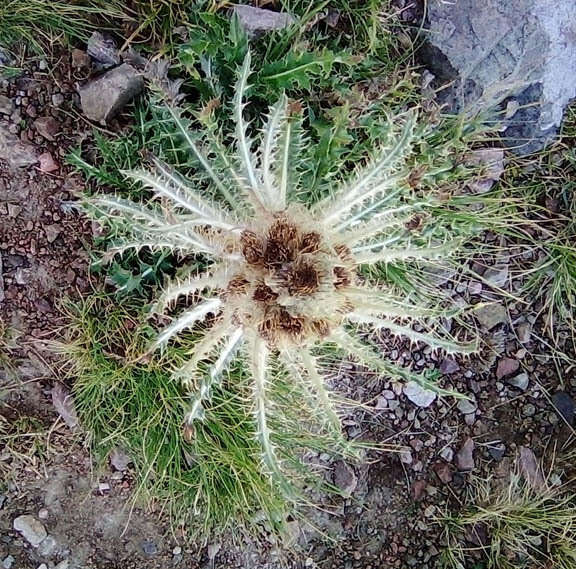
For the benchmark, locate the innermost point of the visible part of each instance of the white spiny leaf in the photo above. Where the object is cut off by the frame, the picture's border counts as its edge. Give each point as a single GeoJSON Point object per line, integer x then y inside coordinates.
{"type": "Point", "coordinates": [181, 195]}
{"type": "Point", "coordinates": [219, 183]}
{"type": "Point", "coordinates": [434, 341]}
{"type": "Point", "coordinates": [414, 253]}
{"type": "Point", "coordinates": [368, 357]}
{"type": "Point", "coordinates": [373, 179]}
{"type": "Point", "coordinates": [243, 143]}
{"type": "Point", "coordinates": [114, 204]}
{"type": "Point", "coordinates": [187, 320]}
{"type": "Point", "coordinates": [268, 151]}
{"type": "Point", "coordinates": [213, 378]}
{"type": "Point", "coordinates": [190, 285]}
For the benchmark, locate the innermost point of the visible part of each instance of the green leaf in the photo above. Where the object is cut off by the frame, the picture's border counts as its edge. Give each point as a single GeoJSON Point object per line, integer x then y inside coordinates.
{"type": "Point", "coordinates": [297, 70]}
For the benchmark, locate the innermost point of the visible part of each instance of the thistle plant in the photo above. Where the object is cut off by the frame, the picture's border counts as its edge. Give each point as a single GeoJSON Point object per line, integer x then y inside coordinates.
{"type": "Point", "coordinates": [281, 272]}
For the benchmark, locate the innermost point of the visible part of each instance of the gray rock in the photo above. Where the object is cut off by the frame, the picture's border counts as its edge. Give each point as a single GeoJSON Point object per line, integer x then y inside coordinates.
{"type": "Point", "coordinates": [520, 381]}
{"type": "Point", "coordinates": [497, 275]}
{"type": "Point", "coordinates": [497, 451]}
{"type": "Point", "coordinates": [102, 50]}
{"type": "Point", "coordinates": [564, 405]}
{"type": "Point", "coordinates": [149, 547]}
{"type": "Point", "coordinates": [519, 52]}
{"type": "Point", "coordinates": [105, 96]}
{"type": "Point", "coordinates": [420, 396]}
{"type": "Point", "coordinates": [47, 127]}
{"type": "Point", "coordinates": [7, 562]}
{"type": "Point", "coordinates": [48, 547]}
{"type": "Point", "coordinates": [345, 478]}
{"type": "Point", "coordinates": [467, 406]}
{"type": "Point", "coordinates": [257, 21]}
{"type": "Point", "coordinates": [31, 529]}
{"type": "Point", "coordinates": [6, 105]}
{"type": "Point", "coordinates": [506, 366]}
{"type": "Point", "coordinates": [14, 152]}
{"type": "Point", "coordinates": [448, 366]}
{"type": "Point", "coordinates": [524, 331]}
{"type": "Point", "coordinates": [529, 410]}
{"type": "Point", "coordinates": [465, 457]}
{"type": "Point", "coordinates": [490, 315]}
{"type": "Point", "coordinates": [58, 99]}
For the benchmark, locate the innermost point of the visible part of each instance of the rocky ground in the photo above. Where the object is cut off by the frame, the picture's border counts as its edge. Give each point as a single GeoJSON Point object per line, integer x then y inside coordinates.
{"type": "Point", "coordinates": [57, 513]}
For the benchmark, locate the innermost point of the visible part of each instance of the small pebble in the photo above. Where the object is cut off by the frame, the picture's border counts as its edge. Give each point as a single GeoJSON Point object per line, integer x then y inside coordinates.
{"type": "Point", "coordinates": [467, 406]}
{"type": "Point", "coordinates": [529, 410]}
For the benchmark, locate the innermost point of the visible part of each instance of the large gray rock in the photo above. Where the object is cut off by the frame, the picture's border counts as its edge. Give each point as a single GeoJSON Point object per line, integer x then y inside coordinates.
{"type": "Point", "coordinates": [257, 20]}
{"type": "Point", "coordinates": [106, 95]}
{"type": "Point", "coordinates": [521, 53]}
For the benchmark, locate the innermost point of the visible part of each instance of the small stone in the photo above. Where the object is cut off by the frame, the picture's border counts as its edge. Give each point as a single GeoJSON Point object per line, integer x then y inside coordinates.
{"type": "Point", "coordinates": [103, 487]}
{"type": "Point", "coordinates": [524, 332]}
{"type": "Point", "coordinates": [420, 396]}
{"type": "Point", "coordinates": [257, 20]}
{"type": "Point", "coordinates": [43, 514]}
{"type": "Point", "coordinates": [31, 111]}
{"type": "Point", "coordinates": [149, 547]}
{"type": "Point", "coordinates": [497, 451]}
{"type": "Point", "coordinates": [492, 162]}
{"type": "Point", "coordinates": [7, 562]}
{"type": "Point", "coordinates": [31, 529]}
{"type": "Point", "coordinates": [490, 315]}
{"type": "Point", "coordinates": [58, 99]}
{"type": "Point", "coordinates": [120, 459]}
{"type": "Point", "coordinates": [52, 232]}
{"type": "Point", "coordinates": [63, 564]}
{"type": "Point", "coordinates": [48, 547]}
{"type": "Point", "coordinates": [406, 456]}
{"type": "Point", "coordinates": [47, 164]}
{"type": "Point", "coordinates": [529, 410]}
{"type": "Point", "coordinates": [564, 405]}
{"type": "Point", "coordinates": [520, 381]}
{"type": "Point", "coordinates": [345, 478]}
{"type": "Point", "coordinates": [42, 566]}
{"type": "Point", "coordinates": [47, 127]}
{"type": "Point", "coordinates": [465, 456]}
{"type": "Point", "coordinates": [444, 472]}
{"type": "Point", "coordinates": [177, 550]}
{"type": "Point", "coordinates": [418, 488]}
{"type": "Point", "coordinates": [506, 366]}
{"type": "Point", "coordinates": [497, 275]}
{"type": "Point", "coordinates": [6, 105]}
{"type": "Point", "coordinates": [475, 287]}
{"type": "Point", "coordinates": [447, 454]}
{"type": "Point", "coordinates": [467, 406]}
{"type": "Point", "coordinates": [13, 151]}
{"type": "Point", "coordinates": [13, 210]}
{"type": "Point", "coordinates": [42, 65]}
{"type": "Point", "coordinates": [449, 366]}
{"type": "Point", "coordinates": [80, 59]}
{"type": "Point", "coordinates": [104, 97]}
